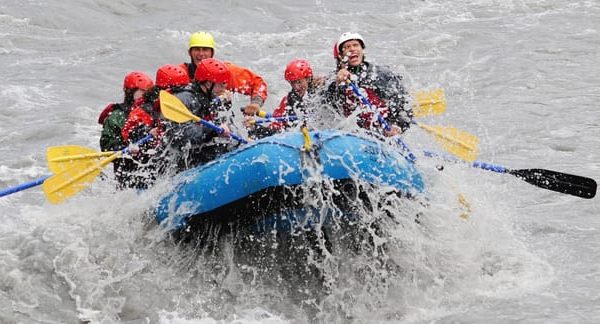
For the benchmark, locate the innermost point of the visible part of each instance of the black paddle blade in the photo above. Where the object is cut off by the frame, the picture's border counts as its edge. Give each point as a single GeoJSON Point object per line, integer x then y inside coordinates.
{"type": "Point", "coordinates": [557, 181]}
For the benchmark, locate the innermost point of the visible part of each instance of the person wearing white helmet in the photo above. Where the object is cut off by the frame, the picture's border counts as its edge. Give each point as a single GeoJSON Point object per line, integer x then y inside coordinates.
{"type": "Point", "coordinates": [383, 87]}
{"type": "Point", "coordinates": [202, 45]}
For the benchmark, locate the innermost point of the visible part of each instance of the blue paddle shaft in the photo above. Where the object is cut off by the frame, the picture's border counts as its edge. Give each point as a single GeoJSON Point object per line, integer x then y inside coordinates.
{"type": "Point", "coordinates": [35, 183]}
{"type": "Point", "coordinates": [143, 140]}
{"type": "Point", "coordinates": [366, 102]}
{"type": "Point", "coordinates": [489, 166]}
{"type": "Point", "coordinates": [475, 164]}
{"type": "Point", "coordinates": [220, 130]}
{"type": "Point", "coordinates": [23, 186]}
{"type": "Point", "coordinates": [272, 119]}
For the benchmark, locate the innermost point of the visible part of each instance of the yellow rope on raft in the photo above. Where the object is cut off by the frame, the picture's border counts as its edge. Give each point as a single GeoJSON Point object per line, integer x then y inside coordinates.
{"type": "Point", "coordinates": [307, 140]}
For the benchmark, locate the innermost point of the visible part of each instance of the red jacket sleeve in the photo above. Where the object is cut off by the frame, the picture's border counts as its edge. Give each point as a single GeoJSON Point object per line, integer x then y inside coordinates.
{"type": "Point", "coordinates": [246, 82]}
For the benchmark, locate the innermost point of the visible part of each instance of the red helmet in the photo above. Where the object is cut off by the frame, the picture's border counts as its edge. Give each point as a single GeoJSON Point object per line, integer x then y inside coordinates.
{"type": "Point", "coordinates": [137, 80]}
{"type": "Point", "coordinates": [297, 69]}
{"type": "Point", "coordinates": [171, 76]}
{"type": "Point", "coordinates": [213, 70]}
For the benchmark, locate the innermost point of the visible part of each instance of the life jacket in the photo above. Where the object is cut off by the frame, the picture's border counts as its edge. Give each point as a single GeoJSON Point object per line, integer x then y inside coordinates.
{"type": "Point", "coordinates": [287, 107]}
{"type": "Point", "coordinates": [280, 111]}
{"type": "Point", "coordinates": [108, 110]}
{"type": "Point", "coordinates": [206, 107]}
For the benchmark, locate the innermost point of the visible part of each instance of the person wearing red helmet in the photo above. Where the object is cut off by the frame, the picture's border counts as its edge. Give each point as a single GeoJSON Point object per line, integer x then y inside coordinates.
{"type": "Point", "coordinates": [114, 115]}
{"type": "Point", "coordinates": [145, 116]}
{"type": "Point", "coordinates": [212, 79]}
{"type": "Point", "coordinates": [145, 119]}
{"type": "Point", "coordinates": [202, 45]}
{"type": "Point", "coordinates": [192, 144]}
{"type": "Point", "coordinates": [382, 86]}
{"type": "Point", "coordinates": [305, 86]}
{"type": "Point", "coordinates": [113, 118]}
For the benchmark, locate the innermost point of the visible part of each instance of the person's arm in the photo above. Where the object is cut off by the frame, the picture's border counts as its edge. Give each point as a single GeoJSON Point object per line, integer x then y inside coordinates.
{"type": "Point", "coordinates": [246, 82]}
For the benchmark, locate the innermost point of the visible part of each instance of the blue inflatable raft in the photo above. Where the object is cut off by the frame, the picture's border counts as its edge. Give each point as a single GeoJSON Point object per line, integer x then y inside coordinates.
{"type": "Point", "coordinates": [268, 179]}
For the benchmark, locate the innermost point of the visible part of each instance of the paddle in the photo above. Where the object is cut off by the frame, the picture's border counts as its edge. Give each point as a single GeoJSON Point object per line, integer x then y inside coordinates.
{"type": "Point", "coordinates": [457, 142]}
{"type": "Point", "coordinates": [64, 157]}
{"type": "Point", "coordinates": [173, 109]}
{"type": "Point", "coordinates": [79, 175]}
{"type": "Point", "coordinates": [453, 140]}
{"type": "Point", "coordinates": [23, 186]}
{"type": "Point", "coordinates": [461, 143]}
{"type": "Point", "coordinates": [264, 114]}
{"type": "Point", "coordinates": [547, 179]}
{"type": "Point", "coordinates": [274, 119]}
{"type": "Point", "coordinates": [429, 103]}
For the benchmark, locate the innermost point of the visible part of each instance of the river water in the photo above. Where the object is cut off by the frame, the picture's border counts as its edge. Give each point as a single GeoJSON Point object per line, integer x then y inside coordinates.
{"type": "Point", "coordinates": [521, 75]}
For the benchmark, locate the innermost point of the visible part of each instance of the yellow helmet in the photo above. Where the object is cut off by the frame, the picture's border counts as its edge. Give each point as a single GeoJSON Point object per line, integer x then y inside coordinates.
{"type": "Point", "coordinates": [202, 39]}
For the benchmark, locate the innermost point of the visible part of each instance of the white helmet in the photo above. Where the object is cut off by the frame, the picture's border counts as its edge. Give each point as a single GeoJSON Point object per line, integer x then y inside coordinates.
{"type": "Point", "coordinates": [349, 36]}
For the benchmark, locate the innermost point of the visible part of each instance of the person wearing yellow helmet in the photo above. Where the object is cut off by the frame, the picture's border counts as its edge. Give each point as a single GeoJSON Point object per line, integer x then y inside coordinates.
{"type": "Point", "coordinates": [202, 45]}
{"type": "Point", "coordinates": [382, 87]}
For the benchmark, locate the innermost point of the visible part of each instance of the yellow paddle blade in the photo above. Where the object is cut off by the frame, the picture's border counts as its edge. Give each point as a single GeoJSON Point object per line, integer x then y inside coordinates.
{"type": "Point", "coordinates": [456, 141]}
{"type": "Point", "coordinates": [61, 158]}
{"type": "Point", "coordinates": [429, 103]}
{"type": "Point", "coordinates": [71, 181]}
{"type": "Point", "coordinates": [173, 109]}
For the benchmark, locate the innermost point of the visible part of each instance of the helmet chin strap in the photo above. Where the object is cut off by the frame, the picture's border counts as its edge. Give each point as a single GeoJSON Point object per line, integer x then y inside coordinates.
{"type": "Point", "coordinates": [210, 91]}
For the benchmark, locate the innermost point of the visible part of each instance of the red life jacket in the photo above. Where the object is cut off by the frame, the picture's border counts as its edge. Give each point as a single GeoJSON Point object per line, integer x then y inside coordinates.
{"type": "Point", "coordinates": [280, 111]}
{"type": "Point", "coordinates": [105, 113]}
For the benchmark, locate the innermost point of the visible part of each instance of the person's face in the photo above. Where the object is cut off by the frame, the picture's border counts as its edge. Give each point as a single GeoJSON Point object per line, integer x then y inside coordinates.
{"type": "Point", "coordinates": [200, 53]}
{"type": "Point", "coordinates": [219, 88]}
{"type": "Point", "coordinates": [300, 86]}
{"type": "Point", "coordinates": [354, 51]}
{"type": "Point", "coordinates": [138, 94]}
